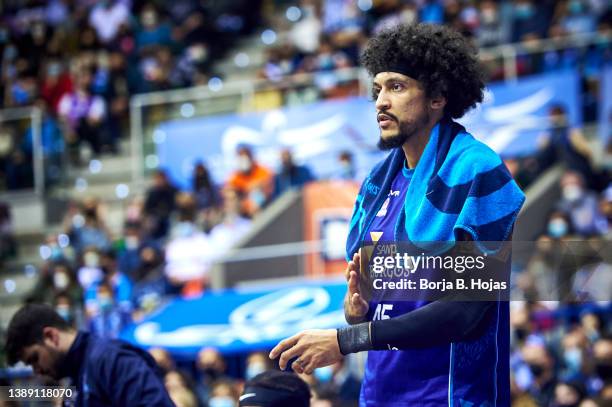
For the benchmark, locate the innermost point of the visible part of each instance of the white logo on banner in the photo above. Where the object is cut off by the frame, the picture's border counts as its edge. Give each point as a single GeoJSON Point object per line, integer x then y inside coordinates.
{"type": "Point", "coordinates": [271, 317]}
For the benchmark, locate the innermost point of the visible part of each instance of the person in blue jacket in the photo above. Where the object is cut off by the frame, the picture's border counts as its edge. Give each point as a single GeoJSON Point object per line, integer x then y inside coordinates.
{"type": "Point", "coordinates": [104, 372]}
{"type": "Point", "coordinates": [438, 189]}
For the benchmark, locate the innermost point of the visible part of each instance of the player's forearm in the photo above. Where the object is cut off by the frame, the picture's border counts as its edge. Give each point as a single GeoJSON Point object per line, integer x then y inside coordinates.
{"type": "Point", "coordinates": [435, 324]}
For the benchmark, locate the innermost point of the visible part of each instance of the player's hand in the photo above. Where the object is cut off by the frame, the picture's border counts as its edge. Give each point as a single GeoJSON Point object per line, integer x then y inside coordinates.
{"type": "Point", "coordinates": [356, 307]}
{"type": "Point", "coordinates": [313, 348]}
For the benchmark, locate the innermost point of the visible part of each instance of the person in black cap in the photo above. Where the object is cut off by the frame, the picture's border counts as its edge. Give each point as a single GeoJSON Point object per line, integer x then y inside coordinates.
{"type": "Point", "coordinates": [275, 389]}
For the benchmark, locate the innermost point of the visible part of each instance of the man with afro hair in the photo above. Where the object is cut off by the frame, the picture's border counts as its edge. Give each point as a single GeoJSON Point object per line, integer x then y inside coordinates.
{"type": "Point", "coordinates": [438, 187]}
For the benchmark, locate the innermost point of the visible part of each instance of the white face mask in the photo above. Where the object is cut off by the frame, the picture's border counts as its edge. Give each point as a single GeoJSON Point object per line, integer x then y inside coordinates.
{"type": "Point", "coordinates": [91, 260]}
{"type": "Point", "coordinates": [244, 163]}
{"type": "Point", "coordinates": [60, 280]}
{"type": "Point", "coordinates": [131, 242]}
{"type": "Point", "coordinates": [572, 192]}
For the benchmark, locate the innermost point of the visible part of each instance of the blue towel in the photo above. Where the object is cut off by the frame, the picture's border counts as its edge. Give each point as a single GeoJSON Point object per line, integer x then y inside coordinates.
{"type": "Point", "coordinates": [459, 183]}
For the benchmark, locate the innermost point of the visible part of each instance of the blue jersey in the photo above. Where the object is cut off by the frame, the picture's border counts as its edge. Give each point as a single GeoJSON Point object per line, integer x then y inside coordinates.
{"type": "Point", "coordinates": [459, 374]}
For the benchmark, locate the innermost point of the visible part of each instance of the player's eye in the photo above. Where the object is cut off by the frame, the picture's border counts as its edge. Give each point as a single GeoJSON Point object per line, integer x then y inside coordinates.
{"type": "Point", "coordinates": [397, 87]}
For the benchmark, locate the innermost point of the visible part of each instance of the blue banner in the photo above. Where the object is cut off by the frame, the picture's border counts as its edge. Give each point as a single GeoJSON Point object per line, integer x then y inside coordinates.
{"type": "Point", "coordinates": [237, 321]}
{"type": "Point", "coordinates": [513, 116]}
{"type": "Point", "coordinates": [510, 120]}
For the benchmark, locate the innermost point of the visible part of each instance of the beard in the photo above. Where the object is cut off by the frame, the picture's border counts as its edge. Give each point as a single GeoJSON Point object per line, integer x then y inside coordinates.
{"type": "Point", "coordinates": [405, 132]}
{"type": "Point", "coordinates": [58, 369]}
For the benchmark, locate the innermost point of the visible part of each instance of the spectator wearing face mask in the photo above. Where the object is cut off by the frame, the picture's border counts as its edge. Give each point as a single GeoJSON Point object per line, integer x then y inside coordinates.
{"type": "Point", "coordinates": [581, 206]}
{"type": "Point", "coordinates": [69, 310]}
{"type": "Point", "coordinates": [210, 368]}
{"type": "Point", "coordinates": [575, 355]}
{"type": "Point", "coordinates": [347, 170]}
{"type": "Point", "coordinates": [87, 228]}
{"type": "Point", "coordinates": [57, 278]}
{"type": "Point", "coordinates": [252, 181]}
{"type": "Point", "coordinates": [108, 319]}
{"type": "Point", "coordinates": [541, 382]}
{"type": "Point", "coordinates": [91, 271]}
{"type": "Point", "coordinates": [257, 362]}
{"type": "Point", "coordinates": [223, 394]}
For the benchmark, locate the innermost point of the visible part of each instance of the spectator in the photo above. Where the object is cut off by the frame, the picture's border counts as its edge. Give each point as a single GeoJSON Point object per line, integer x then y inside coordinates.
{"type": "Point", "coordinates": [69, 310]}
{"type": "Point", "coordinates": [211, 368]}
{"type": "Point", "coordinates": [163, 359]}
{"type": "Point", "coordinates": [8, 244]}
{"type": "Point", "coordinates": [91, 271]}
{"type": "Point", "coordinates": [290, 175]}
{"type": "Point", "coordinates": [256, 363]}
{"type": "Point", "coordinates": [252, 181]}
{"type": "Point", "coordinates": [223, 394]}
{"type": "Point", "coordinates": [204, 189]}
{"type": "Point", "coordinates": [541, 364]}
{"type": "Point", "coordinates": [565, 145]}
{"type": "Point", "coordinates": [52, 141]}
{"type": "Point", "coordinates": [232, 228]}
{"type": "Point", "coordinates": [348, 170]}
{"type": "Point", "coordinates": [106, 18]}
{"type": "Point", "coordinates": [59, 278]}
{"type": "Point", "coordinates": [151, 31]}
{"type": "Point", "coordinates": [107, 319]}
{"type": "Point", "coordinates": [82, 114]}
{"type": "Point", "coordinates": [581, 206]}
{"type": "Point", "coordinates": [159, 204]}
{"type": "Point", "coordinates": [56, 82]}
{"type": "Point", "coordinates": [177, 385]}
{"type": "Point", "coordinates": [188, 252]}
{"type": "Point", "coordinates": [87, 228]}
{"type": "Point", "coordinates": [568, 394]}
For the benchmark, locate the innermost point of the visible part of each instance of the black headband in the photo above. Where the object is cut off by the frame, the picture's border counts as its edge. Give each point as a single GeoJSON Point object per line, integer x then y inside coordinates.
{"type": "Point", "coordinates": [266, 397]}
{"type": "Point", "coordinates": [398, 67]}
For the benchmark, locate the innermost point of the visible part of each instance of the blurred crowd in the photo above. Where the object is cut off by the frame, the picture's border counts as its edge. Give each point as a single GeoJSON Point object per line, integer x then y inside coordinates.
{"type": "Point", "coordinates": [80, 61]}
{"type": "Point", "coordinates": [170, 241]}
{"type": "Point", "coordinates": [327, 35]}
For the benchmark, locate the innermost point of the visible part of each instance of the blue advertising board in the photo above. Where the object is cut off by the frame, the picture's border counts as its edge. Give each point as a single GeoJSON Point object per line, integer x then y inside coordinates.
{"type": "Point", "coordinates": [510, 120]}
{"type": "Point", "coordinates": [237, 321]}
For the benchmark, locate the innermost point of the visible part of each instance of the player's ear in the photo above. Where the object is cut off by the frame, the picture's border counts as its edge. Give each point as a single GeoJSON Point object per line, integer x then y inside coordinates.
{"type": "Point", "coordinates": [437, 102]}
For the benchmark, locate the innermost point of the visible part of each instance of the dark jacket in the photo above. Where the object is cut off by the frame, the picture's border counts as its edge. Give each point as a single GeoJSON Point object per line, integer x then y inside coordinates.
{"type": "Point", "coordinates": [113, 373]}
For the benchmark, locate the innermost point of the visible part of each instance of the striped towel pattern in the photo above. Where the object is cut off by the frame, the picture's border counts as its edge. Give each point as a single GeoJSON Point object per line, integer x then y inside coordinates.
{"type": "Point", "coordinates": [458, 184]}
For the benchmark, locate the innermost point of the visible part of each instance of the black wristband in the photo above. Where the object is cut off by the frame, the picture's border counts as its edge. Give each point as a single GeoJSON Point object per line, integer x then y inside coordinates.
{"type": "Point", "coordinates": [354, 338]}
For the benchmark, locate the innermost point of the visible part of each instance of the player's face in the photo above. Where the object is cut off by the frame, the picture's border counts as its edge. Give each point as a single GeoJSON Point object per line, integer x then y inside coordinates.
{"type": "Point", "coordinates": [44, 359]}
{"type": "Point", "coordinates": [401, 108]}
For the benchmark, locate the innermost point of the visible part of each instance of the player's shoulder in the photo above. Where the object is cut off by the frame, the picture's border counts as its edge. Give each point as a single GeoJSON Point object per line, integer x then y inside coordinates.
{"type": "Point", "coordinates": [468, 157]}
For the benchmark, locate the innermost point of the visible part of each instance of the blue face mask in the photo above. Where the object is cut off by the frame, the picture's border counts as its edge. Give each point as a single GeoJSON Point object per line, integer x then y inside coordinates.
{"type": "Point", "coordinates": [254, 369]}
{"type": "Point", "coordinates": [575, 7]}
{"type": "Point", "coordinates": [324, 374]}
{"type": "Point", "coordinates": [221, 402]}
{"type": "Point", "coordinates": [557, 228]}
{"type": "Point", "coordinates": [573, 359]}
{"type": "Point", "coordinates": [524, 11]}
{"type": "Point", "coordinates": [105, 303]}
